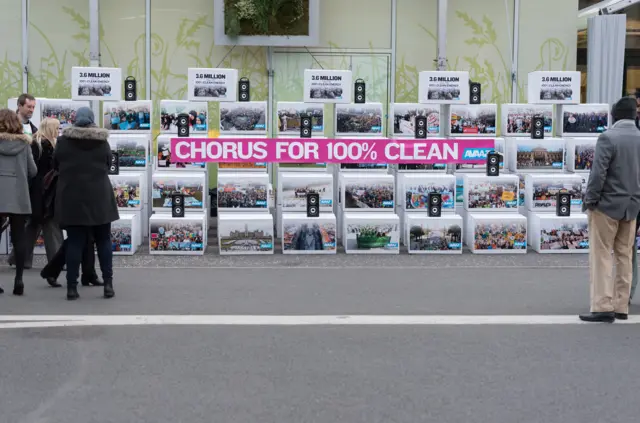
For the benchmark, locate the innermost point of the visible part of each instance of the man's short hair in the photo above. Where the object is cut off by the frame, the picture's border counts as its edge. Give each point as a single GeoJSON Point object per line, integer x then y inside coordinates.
{"type": "Point", "coordinates": [24, 97]}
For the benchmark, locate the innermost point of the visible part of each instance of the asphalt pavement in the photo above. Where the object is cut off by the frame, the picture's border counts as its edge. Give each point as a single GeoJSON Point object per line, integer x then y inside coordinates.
{"type": "Point", "coordinates": [464, 339]}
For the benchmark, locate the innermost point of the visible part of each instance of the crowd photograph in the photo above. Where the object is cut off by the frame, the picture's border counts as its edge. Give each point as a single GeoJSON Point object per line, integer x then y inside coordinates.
{"type": "Point", "coordinates": [539, 156]}
{"type": "Point", "coordinates": [162, 189]}
{"type": "Point", "coordinates": [243, 117]}
{"type": "Point", "coordinates": [473, 119]}
{"type": "Point", "coordinates": [439, 235]}
{"type": "Point", "coordinates": [294, 194]}
{"type": "Point", "coordinates": [404, 118]}
{"type": "Point", "coordinates": [443, 93]}
{"type": "Point", "coordinates": [545, 193]}
{"type": "Point", "coordinates": [490, 195]}
{"type": "Point", "coordinates": [567, 236]}
{"type": "Point", "coordinates": [369, 196]}
{"type": "Point", "coordinates": [289, 115]}
{"type": "Point", "coordinates": [417, 196]}
{"type": "Point", "coordinates": [584, 156]}
{"type": "Point", "coordinates": [176, 235]}
{"type": "Point", "coordinates": [126, 116]}
{"type": "Point", "coordinates": [372, 237]}
{"type": "Point", "coordinates": [127, 192]}
{"type": "Point", "coordinates": [63, 111]}
{"type": "Point", "coordinates": [500, 236]}
{"type": "Point", "coordinates": [434, 166]}
{"type": "Point", "coordinates": [359, 119]}
{"type": "Point", "coordinates": [591, 122]}
{"type": "Point", "coordinates": [556, 94]}
{"type": "Point", "coordinates": [121, 238]}
{"type": "Point", "coordinates": [518, 119]}
{"type": "Point", "coordinates": [169, 111]}
{"type": "Point", "coordinates": [247, 237]}
{"type": "Point", "coordinates": [309, 236]}
{"type": "Point", "coordinates": [163, 156]}
{"type": "Point", "coordinates": [131, 153]}
{"type": "Point", "coordinates": [242, 196]}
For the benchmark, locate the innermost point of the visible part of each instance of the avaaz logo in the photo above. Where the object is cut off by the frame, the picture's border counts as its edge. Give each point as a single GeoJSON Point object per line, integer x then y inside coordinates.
{"type": "Point", "coordinates": [475, 153]}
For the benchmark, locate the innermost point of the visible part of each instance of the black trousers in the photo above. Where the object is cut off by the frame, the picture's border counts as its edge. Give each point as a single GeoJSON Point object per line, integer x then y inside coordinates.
{"type": "Point", "coordinates": [57, 263]}
{"type": "Point", "coordinates": [17, 223]}
{"type": "Point", "coordinates": [77, 248]}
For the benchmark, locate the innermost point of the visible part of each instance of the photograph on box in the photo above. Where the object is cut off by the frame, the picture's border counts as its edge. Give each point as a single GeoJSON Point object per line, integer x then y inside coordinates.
{"type": "Point", "coordinates": [498, 146]}
{"type": "Point", "coordinates": [438, 235]}
{"type": "Point", "coordinates": [545, 191]}
{"type": "Point", "coordinates": [585, 119]}
{"type": "Point", "coordinates": [522, 193]}
{"type": "Point", "coordinates": [132, 151]}
{"type": "Point", "coordinates": [197, 111]}
{"type": "Point", "coordinates": [191, 188]}
{"type": "Point", "coordinates": [536, 155]}
{"type": "Point", "coordinates": [163, 156]}
{"type": "Point", "coordinates": [459, 189]}
{"type": "Point", "coordinates": [247, 236]}
{"type": "Point", "coordinates": [121, 236]}
{"type": "Point", "coordinates": [373, 237]}
{"type": "Point", "coordinates": [302, 165]}
{"type": "Point", "coordinates": [242, 166]}
{"type": "Point", "coordinates": [294, 192]}
{"type": "Point", "coordinates": [418, 167]}
{"type": "Point", "coordinates": [176, 235]}
{"type": "Point", "coordinates": [243, 118]}
{"type": "Point", "coordinates": [126, 115]}
{"type": "Point", "coordinates": [243, 194]}
{"type": "Point", "coordinates": [492, 195]}
{"type": "Point", "coordinates": [359, 119]}
{"type": "Point", "coordinates": [309, 236]}
{"type": "Point", "coordinates": [404, 118]}
{"type": "Point", "coordinates": [363, 166]}
{"type": "Point", "coordinates": [584, 154]}
{"type": "Point", "coordinates": [127, 190]}
{"type": "Point", "coordinates": [63, 110]}
{"type": "Point", "coordinates": [289, 114]}
{"type": "Point", "coordinates": [473, 119]}
{"type": "Point", "coordinates": [506, 235]}
{"type": "Point", "coordinates": [517, 118]}
{"type": "Point", "coordinates": [564, 236]}
{"type": "Point", "coordinates": [417, 195]}
{"type": "Point", "coordinates": [369, 195]}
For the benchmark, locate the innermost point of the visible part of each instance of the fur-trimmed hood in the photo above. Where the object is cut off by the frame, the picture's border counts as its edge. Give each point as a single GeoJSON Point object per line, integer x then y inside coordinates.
{"type": "Point", "coordinates": [89, 133]}
{"type": "Point", "coordinates": [13, 144]}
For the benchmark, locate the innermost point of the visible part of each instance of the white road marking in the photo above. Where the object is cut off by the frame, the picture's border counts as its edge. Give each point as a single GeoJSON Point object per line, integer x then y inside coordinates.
{"type": "Point", "coordinates": [21, 322]}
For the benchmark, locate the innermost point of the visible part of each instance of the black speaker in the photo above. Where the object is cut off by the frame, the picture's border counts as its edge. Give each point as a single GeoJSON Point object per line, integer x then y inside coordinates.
{"type": "Point", "coordinates": [421, 127]}
{"type": "Point", "coordinates": [305, 126]}
{"type": "Point", "coordinates": [130, 90]}
{"type": "Point", "coordinates": [183, 125]}
{"type": "Point", "coordinates": [360, 91]}
{"type": "Point", "coordinates": [114, 165]}
{"type": "Point", "coordinates": [474, 93]}
{"type": "Point", "coordinates": [563, 204]}
{"type": "Point", "coordinates": [537, 127]}
{"type": "Point", "coordinates": [177, 205]}
{"type": "Point", "coordinates": [313, 204]}
{"type": "Point", "coordinates": [435, 204]}
{"type": "Point", "coordinates": [244, 88]}
{"type": "Point", "coordinates": [493, 164]}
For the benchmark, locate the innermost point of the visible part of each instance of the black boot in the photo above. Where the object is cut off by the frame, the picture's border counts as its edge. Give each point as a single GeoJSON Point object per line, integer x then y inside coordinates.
{"type": "Point", "coordinates": [72, 291]}
{"type": "Point", "coordinates": [108, 288]}
{"type": "Point", "coordinates": [91, 280]}
{"type": "Point", "coordinates": [18, 287]}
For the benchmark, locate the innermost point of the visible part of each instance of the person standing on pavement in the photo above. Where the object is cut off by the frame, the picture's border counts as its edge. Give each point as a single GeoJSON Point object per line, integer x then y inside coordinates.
{"type": "Point", "coordinates": [612, 202]}
{"type": "Point", "coordinates": [84, 203]}
{"type": "Point", "coordinates": [16, 168]}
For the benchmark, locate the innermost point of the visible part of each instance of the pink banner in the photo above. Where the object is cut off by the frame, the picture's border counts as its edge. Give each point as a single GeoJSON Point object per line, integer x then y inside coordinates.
{"type": "Point", "coordinates": [310, 150]}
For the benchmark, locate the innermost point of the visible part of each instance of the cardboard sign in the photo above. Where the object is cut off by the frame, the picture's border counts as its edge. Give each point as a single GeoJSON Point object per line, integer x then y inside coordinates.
{"type": "Point", "coordinates": [96, 83]}
{"type": "Point", "coordinates": [209, 84]}
{"type": "Point", "coordinates": [327, 86]}
{"type": "Point", "coordinates": [554, 87]}
{"type": "Point", "coordinates": [443, 87]}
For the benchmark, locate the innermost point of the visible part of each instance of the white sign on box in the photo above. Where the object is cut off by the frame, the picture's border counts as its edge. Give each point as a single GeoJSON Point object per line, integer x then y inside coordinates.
{"type": "Point", "coordinates": [554, 87]}
{"type": "Point", "coordinates": [443, 87]}
{"type": "Point", "coordinates": [327, 86]}
{"type": "Point", "coordinates": [209, 84]}
{"type": "Point", "coordinates": [96, 83]}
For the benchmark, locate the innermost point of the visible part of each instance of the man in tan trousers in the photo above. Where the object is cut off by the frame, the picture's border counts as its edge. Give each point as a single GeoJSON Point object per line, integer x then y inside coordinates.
{"type": "Point", "coordinates": [612, 202]}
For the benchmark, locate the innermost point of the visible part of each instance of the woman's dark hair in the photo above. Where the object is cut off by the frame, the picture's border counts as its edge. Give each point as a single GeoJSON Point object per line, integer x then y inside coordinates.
{"type": "Point", "coordinates": [10, 123]}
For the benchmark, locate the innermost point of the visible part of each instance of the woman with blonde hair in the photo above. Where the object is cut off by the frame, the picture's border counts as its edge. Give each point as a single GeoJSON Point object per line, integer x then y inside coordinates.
{"type": "Point", "coordinates": [41, 219]}
{"type": "Point", "coordinates": [16, 168]}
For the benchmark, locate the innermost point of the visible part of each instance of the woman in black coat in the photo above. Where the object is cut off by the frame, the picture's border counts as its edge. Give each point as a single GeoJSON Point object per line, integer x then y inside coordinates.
{"type": "Point", "coordinates": [84, 202]}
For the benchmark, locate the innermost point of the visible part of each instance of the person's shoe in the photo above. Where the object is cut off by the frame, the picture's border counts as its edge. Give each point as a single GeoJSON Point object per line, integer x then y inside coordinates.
{"type": "Point", "coordinates": [72, 292]}
{"type": "Point", "coordinates": [1, 290]}
{"type": "Point", "coordinates": [18, 287]}
{"type": "Point", "coordinates": [621, 316]}
{"type": "Point", "coordinates": [28, 265]}
{"type": "Point", "coordinates": [94, 281]}
{"type": "Point", "coordinates": [53, 282]}
{"type": "Point", "coordinates": [108, 288]}
{"type": "Point", "coordinates": [601, 317]}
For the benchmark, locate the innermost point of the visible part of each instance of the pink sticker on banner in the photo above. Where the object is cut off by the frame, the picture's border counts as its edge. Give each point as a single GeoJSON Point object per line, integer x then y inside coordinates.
{"type": "Point", "coordinates": [308, 150]}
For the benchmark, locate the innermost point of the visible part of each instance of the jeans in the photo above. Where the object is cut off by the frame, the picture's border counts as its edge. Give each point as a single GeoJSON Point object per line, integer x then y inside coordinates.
{"type": "Point", "coordinates": [56, 264]}
{"type": "Point", "coordinates": [76, 242]}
